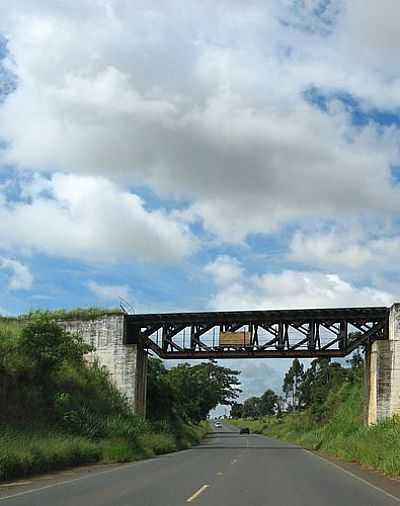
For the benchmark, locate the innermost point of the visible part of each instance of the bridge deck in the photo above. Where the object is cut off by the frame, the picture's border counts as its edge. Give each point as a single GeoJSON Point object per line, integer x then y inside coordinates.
{"type": "Point", "coordinates": [273, 333]}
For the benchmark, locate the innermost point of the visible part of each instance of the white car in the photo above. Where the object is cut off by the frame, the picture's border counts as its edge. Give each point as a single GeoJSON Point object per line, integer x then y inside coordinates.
{"type": "Point", "coordinates": [218, 425]}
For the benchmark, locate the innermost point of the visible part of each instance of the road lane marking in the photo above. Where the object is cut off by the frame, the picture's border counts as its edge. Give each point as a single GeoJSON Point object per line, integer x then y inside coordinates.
{"type": "Point", "coordinates": [220, 474]}
{"type": "Point", "coordinates": [16, 484]}
{"type": "Point", "coordinates": [355, 476]}
{"type": "Point", "coordinates": [196, 494]}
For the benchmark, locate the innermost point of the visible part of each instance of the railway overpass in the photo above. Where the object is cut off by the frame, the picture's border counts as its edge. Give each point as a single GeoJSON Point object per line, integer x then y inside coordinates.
{"type": "Point", "coordinates": [123, 342]}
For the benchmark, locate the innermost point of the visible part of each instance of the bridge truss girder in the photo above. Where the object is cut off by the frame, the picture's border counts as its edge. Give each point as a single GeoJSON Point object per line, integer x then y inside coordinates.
{"type": "Point", "coordinates": [285, 333]}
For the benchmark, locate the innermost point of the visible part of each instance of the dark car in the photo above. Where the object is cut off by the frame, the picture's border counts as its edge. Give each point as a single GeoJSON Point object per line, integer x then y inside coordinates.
{"type": "Point", "coordinates": [244, 430]}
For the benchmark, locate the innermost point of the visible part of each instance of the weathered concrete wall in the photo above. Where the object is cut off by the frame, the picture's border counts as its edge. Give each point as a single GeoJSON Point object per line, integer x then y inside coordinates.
{"type": "Point", "coordinates": [384, 372]}
{"type": "Point", "coordinates": [127, 363]}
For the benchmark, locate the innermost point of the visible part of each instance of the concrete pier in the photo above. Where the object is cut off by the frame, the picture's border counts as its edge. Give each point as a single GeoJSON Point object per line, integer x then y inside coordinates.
{"type": "Point", "coordinates": [383, 372]}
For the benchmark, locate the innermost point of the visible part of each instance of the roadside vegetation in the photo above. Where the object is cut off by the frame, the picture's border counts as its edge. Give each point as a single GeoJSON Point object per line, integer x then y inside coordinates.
{"type": "Point", "coordinates": [322, 410]}
{"type": "Point", "coordinates": [57, 411]}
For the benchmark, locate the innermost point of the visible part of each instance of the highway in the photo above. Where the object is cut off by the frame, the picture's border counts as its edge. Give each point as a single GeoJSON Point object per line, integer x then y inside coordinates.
{"type": "Point", "coordinates": [227, 469]}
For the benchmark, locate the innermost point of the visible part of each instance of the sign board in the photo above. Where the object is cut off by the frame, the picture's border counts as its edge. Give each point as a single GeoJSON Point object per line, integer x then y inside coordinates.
{"type": "Point", "coordinates": [241, 338]}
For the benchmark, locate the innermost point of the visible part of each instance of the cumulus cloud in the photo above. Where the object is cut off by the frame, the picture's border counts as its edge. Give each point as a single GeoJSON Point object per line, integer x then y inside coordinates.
{"type": "Point", "coordinates": [225, 270]}
{"type": "Point", "coordinates": [290, 290]}
{"type": "Point", "coordinates": [90, 218]}
{"type": "Point", "coordinates": [167, 98]}
{"type": "Point", "coordinates": [109, 292]}
{"type": "Point", "coordinates": [209, 106]}
{"type": "Point", "coordinates": [345, 249]}
{"type": "Point", "coordinates": [20, 276]}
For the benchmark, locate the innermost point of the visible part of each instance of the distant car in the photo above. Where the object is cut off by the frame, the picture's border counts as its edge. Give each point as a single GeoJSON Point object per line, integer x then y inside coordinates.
{"type": "Point", "coordinates": [244, 430]}
{"type": "Point", "coordinates": [218, 425]}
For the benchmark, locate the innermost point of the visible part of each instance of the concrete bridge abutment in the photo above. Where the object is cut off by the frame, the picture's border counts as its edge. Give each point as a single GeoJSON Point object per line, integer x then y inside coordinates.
{"type": "Point", "coordinates": [383, 373]}
{"type": "Point", "coordinates": [126, 363]}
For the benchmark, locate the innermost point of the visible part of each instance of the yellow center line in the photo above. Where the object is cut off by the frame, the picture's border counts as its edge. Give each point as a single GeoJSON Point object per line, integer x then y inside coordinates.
{"type": "Point", "coordinates": [196, 494]}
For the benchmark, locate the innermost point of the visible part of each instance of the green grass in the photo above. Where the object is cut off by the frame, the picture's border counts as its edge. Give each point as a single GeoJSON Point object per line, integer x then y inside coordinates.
{"type": "Point", "coordinates": [57, 411]}
{"type": "Point", "coordinates": [10, 329]}
{"type": "Point", "coordinates": [22, 454]}
{"type": "Point", "coordinates": [25, 452]}
{"type": "Point", "coordinates": [342, 434]}
{"type": "Point", "coordinates": [84, 313]}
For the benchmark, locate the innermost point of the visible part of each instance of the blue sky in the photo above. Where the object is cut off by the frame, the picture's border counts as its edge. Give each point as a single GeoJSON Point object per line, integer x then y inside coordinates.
{"type": "Point", "coordinates": [185, 156]}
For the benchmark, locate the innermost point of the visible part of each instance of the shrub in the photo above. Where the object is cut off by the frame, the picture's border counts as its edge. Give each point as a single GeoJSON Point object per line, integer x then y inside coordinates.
{"type": "Point", "coordinates": [80, 417]}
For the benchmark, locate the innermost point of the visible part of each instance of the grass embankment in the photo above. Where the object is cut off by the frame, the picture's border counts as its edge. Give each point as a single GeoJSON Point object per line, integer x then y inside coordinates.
{"type": "Point", "coordinates": [56, 411]}
{"type": "Point", "coordinates": [31, 451]}
{"type": "Point", "coordinates": [341, 433]}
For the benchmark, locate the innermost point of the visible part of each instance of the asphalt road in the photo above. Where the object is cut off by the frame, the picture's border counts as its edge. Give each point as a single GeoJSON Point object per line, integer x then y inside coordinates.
{"type": "Point", "coordinates": [227, 469]}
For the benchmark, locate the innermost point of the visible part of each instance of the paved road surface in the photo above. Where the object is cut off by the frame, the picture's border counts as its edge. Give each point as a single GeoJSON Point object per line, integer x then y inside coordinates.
{"type": "Point", "coordinates": [228, 469]}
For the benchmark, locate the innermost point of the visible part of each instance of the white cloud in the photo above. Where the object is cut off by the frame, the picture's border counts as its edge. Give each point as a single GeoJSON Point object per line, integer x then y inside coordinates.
{"type": "Point", "coordinates": [225, 270]}
{"type": "Point", "coordinates": [109, 292]}
{"type": "Point", "coordinates": [93, 219]}
{"type": "Point", "coordinates": [168, 98]}
{"type": "Point", "coordinates": [291, 290]}
{"type": "Point", "coordinates": [347, 250]}
{"type": "Point", "coordinates": [203, 103]}
{"type": "Point", "coordinates": [20, 278]}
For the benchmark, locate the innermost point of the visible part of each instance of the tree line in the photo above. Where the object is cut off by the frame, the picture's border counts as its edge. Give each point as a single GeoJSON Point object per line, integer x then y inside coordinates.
{"type": "Point", "coordinates": [189, 392]}
{"type": "Point", "coordinates": [302, 389]}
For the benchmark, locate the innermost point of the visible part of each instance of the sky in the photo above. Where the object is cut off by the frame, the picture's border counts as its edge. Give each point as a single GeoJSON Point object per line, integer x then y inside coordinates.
{"type": "Point", "coordinates": [191, 156]}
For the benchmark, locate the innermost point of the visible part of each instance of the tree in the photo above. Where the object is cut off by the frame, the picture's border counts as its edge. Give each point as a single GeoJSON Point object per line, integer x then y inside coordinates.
{"type": "Point", "coordinates": [357, 364]}
{"type": "Point", "coordinates": [292, 384]}
{"type": "Point", "coordinates": [320, 378]}
{"type": "Point", "coordinates": [161, 399]}
{"type": "Point", "coordinates": [191, 391]}
{"type": "Point", "coordinates": [268, 403]}
{"type": "Point", "coordinates": [48, 345]}
{"type": "Point", "coordinates": [51, 373]}
{"type": "Point", "coordinates": [237, 410]}
{"type": "Point", "coordinates": [252, 407]}
{"type": "Point", "coordinates": [280, 404]}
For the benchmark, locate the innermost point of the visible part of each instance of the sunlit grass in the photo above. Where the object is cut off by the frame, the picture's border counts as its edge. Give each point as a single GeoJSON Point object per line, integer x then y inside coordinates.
{"type": "Point", "coordinates": [343, 434]}
{"type": "Point", "coordinates": [27, 452]}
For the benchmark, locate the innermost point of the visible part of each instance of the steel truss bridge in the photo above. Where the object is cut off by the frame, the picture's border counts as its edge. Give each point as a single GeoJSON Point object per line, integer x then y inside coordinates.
{"type": "Point", "coordinates": [280, 333]}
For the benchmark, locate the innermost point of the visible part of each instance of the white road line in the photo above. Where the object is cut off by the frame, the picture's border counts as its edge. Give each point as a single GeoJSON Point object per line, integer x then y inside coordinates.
{"type": "Point", "coordinates": [355, 476]}
{"type": "Point", "coordinates": [16, 484]}
{"type": "Point", "coordinates": [196, 494]}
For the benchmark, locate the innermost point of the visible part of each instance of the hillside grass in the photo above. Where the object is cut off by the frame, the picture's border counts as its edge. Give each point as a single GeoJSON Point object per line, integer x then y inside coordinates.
{"type": "Point", "coordinates": [342, 433]}
{"type": "Point", "coordinates": [56, 411]}
{"type": "Point", "coordinates": [24, 452]}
